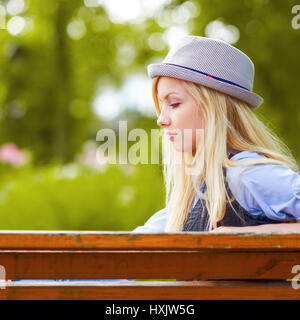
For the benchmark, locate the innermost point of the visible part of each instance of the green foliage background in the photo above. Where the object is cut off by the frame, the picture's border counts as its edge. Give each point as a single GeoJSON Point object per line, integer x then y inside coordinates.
{"type": "Point", "coordinates": [47, 85]}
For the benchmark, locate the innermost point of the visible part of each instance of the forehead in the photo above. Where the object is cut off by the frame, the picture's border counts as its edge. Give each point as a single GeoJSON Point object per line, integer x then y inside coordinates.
{"type": "Point", "coordinates": [166, 85]}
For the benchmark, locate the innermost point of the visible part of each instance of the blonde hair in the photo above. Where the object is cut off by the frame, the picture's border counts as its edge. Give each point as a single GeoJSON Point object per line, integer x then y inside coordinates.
{"type": "Point", "coordinates": [229, 123]}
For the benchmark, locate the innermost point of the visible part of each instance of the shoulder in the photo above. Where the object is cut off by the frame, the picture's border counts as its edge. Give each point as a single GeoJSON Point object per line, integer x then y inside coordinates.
{"type": "Point", "coordinates": [265, 188]}
{"type": "Point", "coordinates": [271, 175]}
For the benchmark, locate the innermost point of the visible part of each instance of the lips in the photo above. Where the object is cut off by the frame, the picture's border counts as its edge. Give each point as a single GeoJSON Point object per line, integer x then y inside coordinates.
{"type": "Point", "coordinates": [171, 135]}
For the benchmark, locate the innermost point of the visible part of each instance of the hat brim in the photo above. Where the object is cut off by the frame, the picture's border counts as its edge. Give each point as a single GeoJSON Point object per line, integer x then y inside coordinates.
{"type": "Point", "coordinates": [167, 70]}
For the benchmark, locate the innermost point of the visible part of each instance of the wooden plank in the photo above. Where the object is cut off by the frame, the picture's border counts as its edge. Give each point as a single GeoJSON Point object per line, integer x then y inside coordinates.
{"type": "Point", "coordinates": [60, 240]}
{"type": "Point", "coordinates": [201, 264]}
{"type": "Point", "coordinates": [190, 290]}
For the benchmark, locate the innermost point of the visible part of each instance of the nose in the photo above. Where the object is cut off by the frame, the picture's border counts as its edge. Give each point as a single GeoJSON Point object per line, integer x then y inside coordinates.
{"type": "Point", "coordinates": [163, 120]}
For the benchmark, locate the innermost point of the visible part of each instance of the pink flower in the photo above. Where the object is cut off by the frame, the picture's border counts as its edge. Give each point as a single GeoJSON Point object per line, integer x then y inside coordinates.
{"type": "Point", "coordinates": [89, 157]}
{"type": "Point", "coordinates": [12, 154]}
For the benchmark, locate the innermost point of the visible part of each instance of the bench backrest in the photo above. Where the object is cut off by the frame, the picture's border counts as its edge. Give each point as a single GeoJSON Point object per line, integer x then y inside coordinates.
{"type": "Point", "coordinates": [249, 265]}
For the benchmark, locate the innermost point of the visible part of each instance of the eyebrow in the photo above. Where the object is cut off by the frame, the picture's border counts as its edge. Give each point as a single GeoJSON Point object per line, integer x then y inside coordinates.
{"type": "Point", "coordinates": [166, 96]}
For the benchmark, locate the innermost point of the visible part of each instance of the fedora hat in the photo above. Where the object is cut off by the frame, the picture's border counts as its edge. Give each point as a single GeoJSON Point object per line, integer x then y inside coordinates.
{"type": "Point", "coordinates": [212, 63]}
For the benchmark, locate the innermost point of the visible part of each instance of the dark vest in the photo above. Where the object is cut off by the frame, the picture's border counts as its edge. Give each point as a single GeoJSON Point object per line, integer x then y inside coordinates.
{"type": "Point", "coordinates": [198, 216]}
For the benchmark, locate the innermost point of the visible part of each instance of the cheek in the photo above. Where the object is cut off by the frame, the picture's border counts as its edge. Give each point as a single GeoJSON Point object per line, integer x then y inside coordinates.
{"type": "Point", "coordinates": [187, 116]}
{"type": "Point", "coordinates": [183, 118]}
{"type": "Point", "coordinates": [192, 118]}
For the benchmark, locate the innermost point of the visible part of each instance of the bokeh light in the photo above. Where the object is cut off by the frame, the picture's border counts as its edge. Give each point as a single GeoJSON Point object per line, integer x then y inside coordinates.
{"type": "Point", "coordinates": [16, 25]}
{"type": "Point", "coordinates": [218, 30]}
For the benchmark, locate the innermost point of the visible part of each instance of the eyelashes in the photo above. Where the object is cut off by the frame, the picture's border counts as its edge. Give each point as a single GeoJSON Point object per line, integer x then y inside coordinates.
{"type": "Point", "coordinates": [172, 105]}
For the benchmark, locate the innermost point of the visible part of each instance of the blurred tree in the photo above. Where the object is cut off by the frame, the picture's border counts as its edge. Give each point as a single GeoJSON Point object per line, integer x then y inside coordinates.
{"type": "Point", "coordinates": [51, 73]}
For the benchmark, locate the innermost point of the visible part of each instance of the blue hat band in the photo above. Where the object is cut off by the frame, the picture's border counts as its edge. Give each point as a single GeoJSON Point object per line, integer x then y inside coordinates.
{"type": "Point", "coordinates": [209, 75]}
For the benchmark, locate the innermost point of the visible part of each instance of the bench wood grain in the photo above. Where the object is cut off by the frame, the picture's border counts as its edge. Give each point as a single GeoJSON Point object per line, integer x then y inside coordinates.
{"type": "Point", "coordinates": [222, 266]}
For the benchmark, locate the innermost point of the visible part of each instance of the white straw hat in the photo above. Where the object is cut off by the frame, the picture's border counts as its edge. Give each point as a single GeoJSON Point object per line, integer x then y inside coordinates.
{"type": "Point", "coordinates": [212, 63]}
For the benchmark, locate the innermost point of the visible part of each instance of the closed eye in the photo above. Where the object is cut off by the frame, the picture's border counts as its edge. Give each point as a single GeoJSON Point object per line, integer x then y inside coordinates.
{"type": "Point", "coordinates": [174, 105]}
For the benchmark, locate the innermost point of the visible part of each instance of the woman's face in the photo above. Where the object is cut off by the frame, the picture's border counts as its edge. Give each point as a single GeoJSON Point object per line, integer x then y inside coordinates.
{"type": "Point", "coordinates": [180, 115]}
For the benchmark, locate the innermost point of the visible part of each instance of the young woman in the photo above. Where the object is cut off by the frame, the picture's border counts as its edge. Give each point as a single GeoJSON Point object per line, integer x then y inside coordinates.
{"type": "Point", "coordinates": [224, 170]}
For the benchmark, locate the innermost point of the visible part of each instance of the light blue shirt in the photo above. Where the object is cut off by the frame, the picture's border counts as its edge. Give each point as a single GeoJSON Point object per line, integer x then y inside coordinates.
{"type": "Point", "coordinates": [270, 190]}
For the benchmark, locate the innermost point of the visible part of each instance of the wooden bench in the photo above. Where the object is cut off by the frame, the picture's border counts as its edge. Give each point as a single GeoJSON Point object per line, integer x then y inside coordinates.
{"type": "Point", "coordinates": [225, 266]}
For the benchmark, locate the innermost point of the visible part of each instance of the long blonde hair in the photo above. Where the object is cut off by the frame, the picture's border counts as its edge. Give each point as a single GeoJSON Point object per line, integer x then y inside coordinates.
{"type": "Point", "coordinates": [229, 123]}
